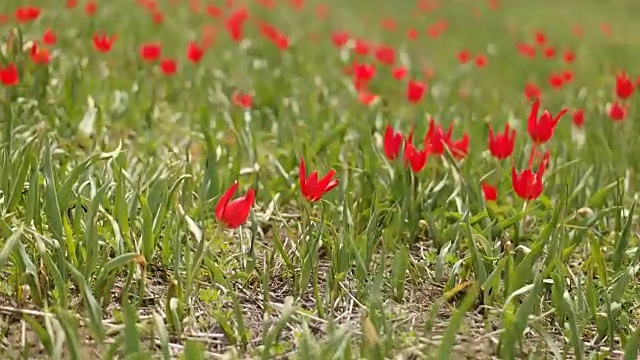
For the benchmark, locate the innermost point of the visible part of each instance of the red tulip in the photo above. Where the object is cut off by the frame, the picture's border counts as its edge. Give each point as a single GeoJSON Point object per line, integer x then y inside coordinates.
{"type": "Point", "coordinates": [168, 66]}
{"type": "Point", "coordinates": [556, 80]}
{"type": "Point", "coordinates": [415, 90]}
{"type": "Point", "coordinates": [501, 145]}
{"type": "Point", "coordinates": [412, 34]}
{"type": "Point", "coordinates": [366, 98]}
{"type": "Point", "coordinates": [541, 38]}
{"type": "Point", "coordinates": [578, 117]}
{"type": "Point", "coordinates": [361, 47]}
{"type": "Point", "coordinates": [618, 112]}
{"type": "Point", "coordinates": [102, 43]}
{"type": "Point", "coordinates": [460, 149]}
{"type": "Point", "coordinates": [541, 129]}
{"type": "Point", "coordinates": [339, 38]}
{"type": "Point", "coordinates": [490, 192]}
{"type": "Point", "coordinates": [311, 188]}
{"type": "Point", "coordinates": [27, 13]}
{"type": "Point", "coordinates": [528, 185]}
{"type": "Point", "coordinates": [481, 61]}
{"type": "Point", "coordinates": [150, 51]}
{"type": "Point", "coordinates": [527, 50]}
{"type": "Point", "coordinates": [242, 100]}
{"type": "Point", "coordinates": [194, 52]}
{"type": "Point", "coordinates": [49, 38]}
{"type": "Point", "coordinates": [436, 139]}
{"type": "Point", "coordinates": [362, 73]}
{"type": "Point", "coordinates": [464, 56]}
{"type": "Point", "coordinates": [386, 55]}
{"type": "Point", "coordinates": [90, 8]}
{"type": "Point", "coordinates": [234, 213]}
{"type": "Point", "coordinates": [569, 56]}
{"type": "Point", "coordinates": [416, 159]}
{"type": "Point", "coordinates": [9, 75]}
{"type": "Point", "coordinates": [391, 143]}
{"type": "Point", "coordinates": [235, 23]}
{"type": "Point", "coordinates": [624, 85]}
{"type": "Point", "coordinates": [549, 52]}
{"type": "Point", "coordinates": [532, 91]}
{"type": "Point", "coordinates": [399, 72]}
{"type": "Point", "coordinates": [39, 55]}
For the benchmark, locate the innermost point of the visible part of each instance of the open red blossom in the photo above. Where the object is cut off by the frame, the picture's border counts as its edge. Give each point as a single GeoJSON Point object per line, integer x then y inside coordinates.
{"type": "Point", "coordinates": [281, 41]}
{"type": "Point", "coordinates": [605, 28]}
{"type": "Point", "coordinates": [90, 8]}
{"type": "Point", "coordinates": [39, 55]}
{"type": "Point", "coordinates": [617, 111]}
{"type": "Point", "coordinates": [311, 188]}
{"type": "Point", "coordinates": [388, 24]}
{"type": "Point", "coordinates": [416, 159]}
{"type": "Point", "coordinates": [541, 129]}
{"type": "Point", "coordinates": [415, 91]}
{"type": "Point", "coordinates": [528, 185]}
{"type": "Point", "coordinates": [549, 52]}
{"type": "Point", "coordinates": [624, 85]}
{"type": "Point", "coordinates": [578, 117]}
{"type": "Point", "coordinates": [296, 4]}
{"type": "Point", "coordinates": [234, 213]}
{"type": "Point", "coordinates": [464, 56]}
{"type": "Point", "coordinates": [340, 38]}
{"type": "Point", "coordinates": [569, 56]}
{"type": "Point", "coordinates": [366, 97]}
{"type": "Point", "coordinates": [567, 75]}
{"type": "Point", "coordinates": [556, 80]}
{"type": "Point", "coordinates": [433, 31]}
{"type": "Point", "coordinates": [103, 43]}
{"type": "Point", "coordinates": [527, 50]}
{"type": "Point", "coordinates": [386, 55]}
{"type": "Point", "coordinates": [501, 145]}
{"type": "Point", "coordinates": [436, 138]}
{"type": "Point", "coordinates": [213, 11]}
{"type": "Point", "coordinates": [399, 73]}
{"type": "Point", "coordinates": [49, 38]}
{"type": "Point", "coordinates": [412, 34]}
{"type": "Point", "coordinates": [9, 75]}
{"type": "Point", "coordinates": [391, 143]}
{"type": "Point", "coordinates": [481, 61]}
{"type": "Point", "coordinates": [489, 191]}
{"type": "Point", "coordinates": [27, 13]}
{"type": "Point", "coordinates": [168, 66]}
{"type": "Point", "coordinates": [362, 74]}
{"type": "Point", "coordinates": [541, 38]}
{"type": "Point", "coordinates": [150, 51]}
{"type": "Point", "coordinates": [361, 47]}
{"type": "Point", "coordinates": [235, 24]}
{"type": "Point", "coordinates": [460, 148]}
{"type": "Point", "coordinates": [195, 52]}
{"type": "Point", "coordinates": [157, 17]}
{"type": "Point", "coordinates": [532, 91]}
{"type": "Point", "coordinates": [242, 99]}
{"type": "Point", "coordinates": [70, 4]}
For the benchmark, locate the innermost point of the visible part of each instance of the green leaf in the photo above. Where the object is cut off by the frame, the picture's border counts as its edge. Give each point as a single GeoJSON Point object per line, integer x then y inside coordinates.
{"type": "Point", "coordinates": [623, 241]}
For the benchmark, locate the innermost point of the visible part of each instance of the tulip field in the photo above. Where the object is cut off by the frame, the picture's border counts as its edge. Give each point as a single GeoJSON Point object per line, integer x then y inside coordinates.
{"type": "Point", "coordinates": [319, 179]}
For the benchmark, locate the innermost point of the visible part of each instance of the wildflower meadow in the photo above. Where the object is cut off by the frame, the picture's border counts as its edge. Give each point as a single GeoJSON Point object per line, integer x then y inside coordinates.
{"type": "Point", "coordinates": [319, 179]}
